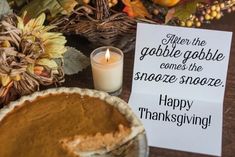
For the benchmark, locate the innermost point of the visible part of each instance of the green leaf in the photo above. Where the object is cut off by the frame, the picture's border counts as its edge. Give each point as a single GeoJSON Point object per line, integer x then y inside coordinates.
{"type": "Point", "coordinates": [183, 12]}
{"type": "Point", "coordinates": [74, 61]}
{"type": "Point", "coordinates": [4, 7]}
{"type": "Point", "coordinates": [36, 7]}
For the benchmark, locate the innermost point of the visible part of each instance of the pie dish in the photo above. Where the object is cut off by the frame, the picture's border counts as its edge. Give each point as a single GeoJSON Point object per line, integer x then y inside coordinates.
{"type": "Point", "coordinates": [66, 122]}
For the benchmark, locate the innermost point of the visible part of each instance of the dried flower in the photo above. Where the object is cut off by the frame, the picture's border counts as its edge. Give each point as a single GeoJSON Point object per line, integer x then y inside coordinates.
{"type": "Point", "coordinates": [27, 55]}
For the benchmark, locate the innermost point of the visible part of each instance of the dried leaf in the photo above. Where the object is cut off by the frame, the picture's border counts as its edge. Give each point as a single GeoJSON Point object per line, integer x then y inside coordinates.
{"type": "Point", "coordinates": [16, 78]}
{"type": "Point", "coordinates": [5, 80]}
{"type": "Point", "coordinates": [36, 7]}
{"type": "Point", "coordinates": [182, 12]}
{"type": "Point", "coordinates": [18, 3]}
{"type": "Point", "coordinates": [135, 8]}
{"type": "Point", "coordinates": [74, 61]}
{"type": "Point", "coordinates": [68, 5]}
{"type": "Point", "coordinates": [4, 7]}
{"type": "Point", "coordinates": [38, 70]}
{"type": "Point", "coordinates": [30, 68]}
{"type": "Point", "coordinates": [169, 15]}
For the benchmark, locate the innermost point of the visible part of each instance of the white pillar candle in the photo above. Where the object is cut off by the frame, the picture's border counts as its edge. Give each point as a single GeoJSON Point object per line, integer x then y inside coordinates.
{"type": "Point", "coordinates": [107, 69]}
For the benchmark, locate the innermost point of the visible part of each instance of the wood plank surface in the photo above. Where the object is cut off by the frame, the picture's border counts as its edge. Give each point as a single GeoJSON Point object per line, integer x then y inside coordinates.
{"type": "Point", "coordinates": [227, 23]}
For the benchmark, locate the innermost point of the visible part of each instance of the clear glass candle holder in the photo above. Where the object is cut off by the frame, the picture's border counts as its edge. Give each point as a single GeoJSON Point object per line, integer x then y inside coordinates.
{"type": "Point", "coordinates": [107, 69]}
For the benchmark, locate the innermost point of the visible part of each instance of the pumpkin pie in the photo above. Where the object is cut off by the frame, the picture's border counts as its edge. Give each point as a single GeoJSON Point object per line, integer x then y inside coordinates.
{"type": "Point", "coordinates": [66, 122]}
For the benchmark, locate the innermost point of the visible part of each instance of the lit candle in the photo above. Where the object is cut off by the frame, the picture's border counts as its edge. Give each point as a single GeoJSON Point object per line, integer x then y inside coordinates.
{"type": "Point", "coordinates": [107, 69]}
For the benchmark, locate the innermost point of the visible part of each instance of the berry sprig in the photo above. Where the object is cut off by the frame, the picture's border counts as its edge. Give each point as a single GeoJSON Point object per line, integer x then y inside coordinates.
{"type": "Point", "coordinates": [206, 13]}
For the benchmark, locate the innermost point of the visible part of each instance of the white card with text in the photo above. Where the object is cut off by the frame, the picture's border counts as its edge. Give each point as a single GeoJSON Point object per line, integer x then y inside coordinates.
{"type": "Point", "coordinates": [178, 86]}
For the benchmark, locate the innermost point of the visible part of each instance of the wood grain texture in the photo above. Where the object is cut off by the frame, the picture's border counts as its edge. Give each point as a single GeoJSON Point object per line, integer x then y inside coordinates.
{"type": "Point", "coordinates": [227, 23]}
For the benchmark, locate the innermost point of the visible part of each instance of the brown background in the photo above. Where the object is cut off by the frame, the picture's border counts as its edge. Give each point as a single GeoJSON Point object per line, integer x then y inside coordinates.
{"type": "Point", "coordinates": [227, 23]}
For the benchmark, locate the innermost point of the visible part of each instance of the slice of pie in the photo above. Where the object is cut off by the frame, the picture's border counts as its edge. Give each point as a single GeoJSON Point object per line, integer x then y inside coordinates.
{"type": "Point", "coordinates": [66, 122]}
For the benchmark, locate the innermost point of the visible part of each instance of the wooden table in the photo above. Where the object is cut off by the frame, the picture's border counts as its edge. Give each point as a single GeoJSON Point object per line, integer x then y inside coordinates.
{"type": "Point", "coordinates": [227, 23]}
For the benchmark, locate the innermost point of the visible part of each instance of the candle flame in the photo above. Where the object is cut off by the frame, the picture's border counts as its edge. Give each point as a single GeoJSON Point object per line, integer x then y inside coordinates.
{"type": "Point", "coordinates": [107, 55]}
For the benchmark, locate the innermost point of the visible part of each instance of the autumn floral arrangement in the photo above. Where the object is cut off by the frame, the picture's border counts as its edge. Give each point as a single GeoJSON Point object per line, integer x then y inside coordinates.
{"type": "Point", "coordinates": [109, 21]}
{"type": "Point", "coordinates": [32, 45]}
{"type": "Point", "coordinates": [31, 54]}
